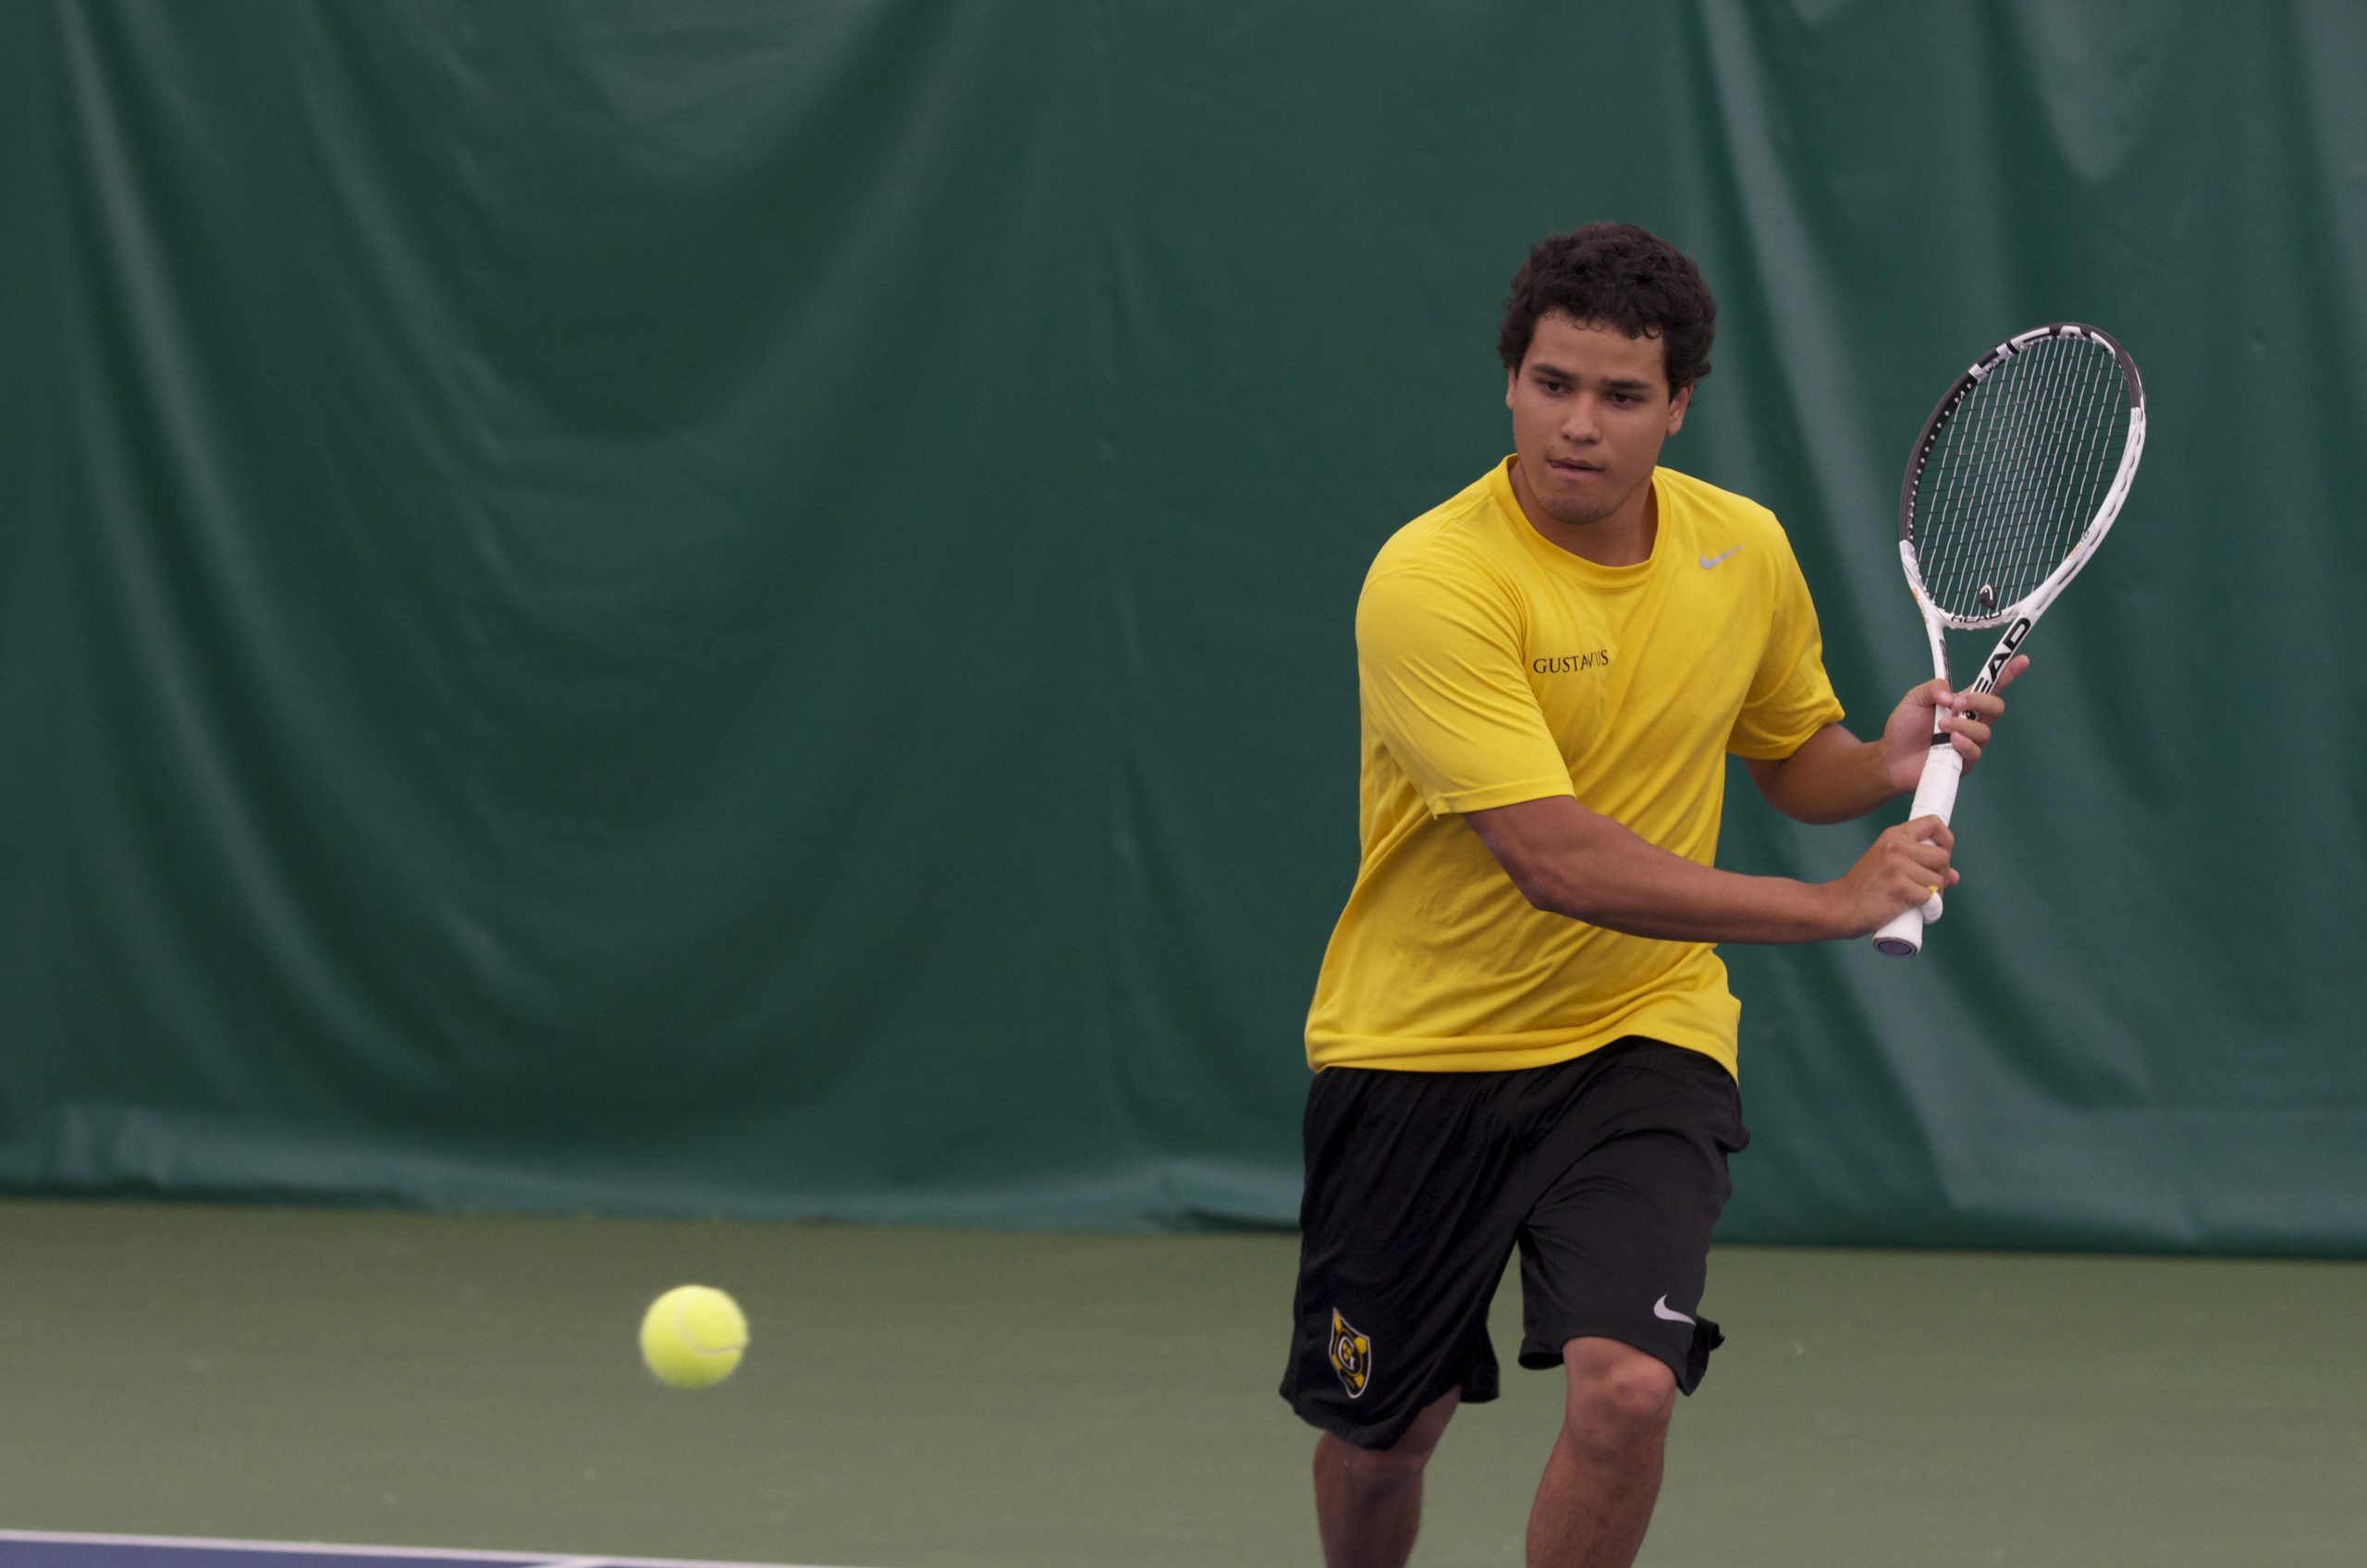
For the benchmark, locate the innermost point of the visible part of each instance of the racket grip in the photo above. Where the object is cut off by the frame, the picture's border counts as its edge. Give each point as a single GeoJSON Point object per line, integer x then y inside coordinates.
{"type": "Point", "coordinates": [1935, 795]}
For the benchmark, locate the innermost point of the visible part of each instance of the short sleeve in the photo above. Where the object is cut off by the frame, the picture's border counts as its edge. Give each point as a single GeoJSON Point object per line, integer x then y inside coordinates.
{"type": "Point", "coordinates": [1790, 697]}
{"type": "Point", "coordinates": [1439, 672]}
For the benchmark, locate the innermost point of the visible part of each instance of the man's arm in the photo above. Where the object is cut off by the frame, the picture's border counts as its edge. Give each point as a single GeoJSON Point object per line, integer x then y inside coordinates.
{"type": "Point", "coordinates": [1835, 777]}
{"type": "Point", "coordinates": [1574, 862]}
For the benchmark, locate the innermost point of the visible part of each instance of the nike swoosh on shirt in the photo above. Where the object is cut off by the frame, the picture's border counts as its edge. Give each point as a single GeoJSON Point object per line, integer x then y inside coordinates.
{"type": "Point", "coordinates": [1661, 1308]}
{"type": "Point", "coordinates": [1708, 561]}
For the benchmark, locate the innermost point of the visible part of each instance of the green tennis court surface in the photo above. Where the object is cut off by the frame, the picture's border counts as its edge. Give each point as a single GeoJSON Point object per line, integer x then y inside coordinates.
{"type": "Point", "coordinates": [31, 1548]}
{"type": "Point", "coordinates": [918, 1399]}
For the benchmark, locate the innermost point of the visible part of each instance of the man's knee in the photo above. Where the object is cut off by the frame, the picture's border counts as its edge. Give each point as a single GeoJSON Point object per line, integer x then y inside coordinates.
{"type": "Point", "coordinates": [1618, 1395]}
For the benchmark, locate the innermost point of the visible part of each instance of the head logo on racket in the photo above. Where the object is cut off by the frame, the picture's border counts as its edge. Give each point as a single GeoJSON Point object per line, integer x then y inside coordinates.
{"type": "Point", "coordinates": [1351, 1355]}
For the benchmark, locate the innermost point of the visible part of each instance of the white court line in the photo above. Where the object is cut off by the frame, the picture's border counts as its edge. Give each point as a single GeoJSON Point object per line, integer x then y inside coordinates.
{"type": "Point", "coordinates": [545, 1558]}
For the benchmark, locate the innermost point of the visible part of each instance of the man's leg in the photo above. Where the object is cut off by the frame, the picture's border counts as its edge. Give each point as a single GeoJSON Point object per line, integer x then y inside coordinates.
{"type": "Point", "coordinates": [1407, 1219]}
{"type": "Point", "coordinates": [1369, 1501]}
{"type": "Point", "coordinates": [1604, 1473]}
{"type": "Point", "coordinates": [1615, 1260]}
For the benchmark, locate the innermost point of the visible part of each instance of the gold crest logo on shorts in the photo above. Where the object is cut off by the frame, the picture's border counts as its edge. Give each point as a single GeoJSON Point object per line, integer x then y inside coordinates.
{"type": "Point", "coordinates": [1350, 1354]}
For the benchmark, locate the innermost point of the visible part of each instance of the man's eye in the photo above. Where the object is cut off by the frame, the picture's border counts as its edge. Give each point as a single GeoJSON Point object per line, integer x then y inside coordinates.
{"type": "Point", "coordinates": [1623, 398]}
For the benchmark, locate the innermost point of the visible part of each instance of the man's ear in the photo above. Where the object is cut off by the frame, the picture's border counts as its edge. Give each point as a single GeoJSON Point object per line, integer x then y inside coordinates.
{"type": "Point", "coordinates": [1512, 379]}
{"type": "Point", "coordinates": [1676, 407]}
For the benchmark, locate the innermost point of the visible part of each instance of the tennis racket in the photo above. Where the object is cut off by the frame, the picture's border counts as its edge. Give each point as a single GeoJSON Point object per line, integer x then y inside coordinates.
{"type": "Point", "coordinates": [2014, 482]}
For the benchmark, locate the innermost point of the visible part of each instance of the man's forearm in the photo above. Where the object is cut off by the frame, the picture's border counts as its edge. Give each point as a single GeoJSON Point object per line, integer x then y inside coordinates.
{"type": "Point", "coordinates": [1834, 777]}
{"type": "Point", "coordinates": [1575, 863]}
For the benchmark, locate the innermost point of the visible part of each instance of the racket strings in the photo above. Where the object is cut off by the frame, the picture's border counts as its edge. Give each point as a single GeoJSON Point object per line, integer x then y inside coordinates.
{"type": "Point", "coordinates": [1996, 429]}
{"type": "Point", "coordinates": [2032, 529]}
{"type": "Point", "coordinates": [1980, 466]}
{"type": "Point", "coordinates": [2054, 492]}
{"type": "Point", "coordinates": [2031, 438]}
{"type": "Point", "coordinates": [2015, 474]}
{"type": "Point", "coordinates": [1983, 527]}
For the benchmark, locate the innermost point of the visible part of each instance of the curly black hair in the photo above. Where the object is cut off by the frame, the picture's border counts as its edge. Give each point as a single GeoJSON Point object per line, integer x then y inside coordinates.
{"type": "Point", "coordinates": [1624, 277]}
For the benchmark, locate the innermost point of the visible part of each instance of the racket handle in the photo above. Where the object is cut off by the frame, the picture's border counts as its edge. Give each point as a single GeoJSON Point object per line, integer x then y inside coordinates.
{"type": "Point", "coordinates": [1935, 795]}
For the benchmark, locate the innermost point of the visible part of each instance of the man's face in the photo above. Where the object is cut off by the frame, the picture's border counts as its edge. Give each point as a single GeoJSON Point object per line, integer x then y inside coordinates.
{"type": "Point", "coordinates": [1591, 408]}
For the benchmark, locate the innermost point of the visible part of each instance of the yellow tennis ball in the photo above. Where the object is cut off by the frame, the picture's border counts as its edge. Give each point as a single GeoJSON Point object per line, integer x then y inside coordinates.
{"type": "Point", "coordinates": [692, 1336]}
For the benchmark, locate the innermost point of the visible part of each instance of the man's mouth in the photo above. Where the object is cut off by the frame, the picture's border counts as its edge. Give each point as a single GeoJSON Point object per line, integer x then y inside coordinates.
{"type": "Point", "coordinates": [1572, 465]}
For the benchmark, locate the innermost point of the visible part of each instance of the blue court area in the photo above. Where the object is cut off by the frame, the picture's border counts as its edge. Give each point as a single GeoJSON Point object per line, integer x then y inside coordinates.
{"type": "Point", "coordinates": [34, 1549]}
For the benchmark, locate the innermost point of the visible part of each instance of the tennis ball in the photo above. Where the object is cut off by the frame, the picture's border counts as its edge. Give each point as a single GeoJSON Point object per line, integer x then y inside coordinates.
{"type": "Point", "coordinates": [692, 1336]}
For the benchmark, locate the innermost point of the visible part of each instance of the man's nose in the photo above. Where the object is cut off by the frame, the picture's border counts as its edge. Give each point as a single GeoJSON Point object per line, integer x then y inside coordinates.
{"type": "Point", "coordinates": [1581, 421]}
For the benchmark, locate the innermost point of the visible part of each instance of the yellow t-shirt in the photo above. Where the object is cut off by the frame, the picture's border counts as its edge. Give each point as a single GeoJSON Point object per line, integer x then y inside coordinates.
{"type": "Point", "coordinates": [1494, 667]}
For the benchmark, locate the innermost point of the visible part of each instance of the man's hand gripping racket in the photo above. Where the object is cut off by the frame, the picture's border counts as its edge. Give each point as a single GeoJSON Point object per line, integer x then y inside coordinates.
{"type": "Point", "coordinates": [2014, 483]}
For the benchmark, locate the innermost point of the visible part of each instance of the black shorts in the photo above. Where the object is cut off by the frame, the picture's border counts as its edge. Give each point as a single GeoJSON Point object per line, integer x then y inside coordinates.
{"type": "Point", "coordinates": [1608, 1172]}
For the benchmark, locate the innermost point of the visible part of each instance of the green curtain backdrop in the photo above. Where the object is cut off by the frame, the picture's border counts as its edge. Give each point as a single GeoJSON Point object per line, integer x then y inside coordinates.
{"type": "Point", "coordinates": [744, 608]}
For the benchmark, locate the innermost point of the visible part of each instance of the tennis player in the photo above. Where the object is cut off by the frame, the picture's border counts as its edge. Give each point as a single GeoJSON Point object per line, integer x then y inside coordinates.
{"type": "Point", "coordinates": [1522, 1033]}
